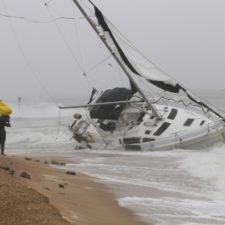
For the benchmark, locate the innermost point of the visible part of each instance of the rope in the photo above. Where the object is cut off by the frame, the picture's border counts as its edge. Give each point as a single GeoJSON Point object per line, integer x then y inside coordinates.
{"type": "Point", "coordinates": [181, 101]}
{"type": "Point", "coordinates": [38, 21]}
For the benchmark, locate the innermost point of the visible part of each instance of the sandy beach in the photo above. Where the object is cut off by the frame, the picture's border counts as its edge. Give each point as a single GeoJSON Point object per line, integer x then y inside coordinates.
{"type": "Point", "coordinates": [48, 195]}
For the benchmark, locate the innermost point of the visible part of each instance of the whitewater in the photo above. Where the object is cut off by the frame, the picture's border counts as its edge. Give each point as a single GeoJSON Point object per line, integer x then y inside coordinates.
{"type": "Point", "coordinates": [179, 187]}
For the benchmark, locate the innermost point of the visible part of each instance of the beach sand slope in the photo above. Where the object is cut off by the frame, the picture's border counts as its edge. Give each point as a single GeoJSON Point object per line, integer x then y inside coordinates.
{"type": "Point", "coordinates": [53, 197]}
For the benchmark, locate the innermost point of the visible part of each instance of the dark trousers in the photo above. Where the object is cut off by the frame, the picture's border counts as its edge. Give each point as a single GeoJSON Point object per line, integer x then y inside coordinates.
{"type": "Point", "coordinates": [2, 139]}
{"type": "Point", "coordinates": [2, 148]}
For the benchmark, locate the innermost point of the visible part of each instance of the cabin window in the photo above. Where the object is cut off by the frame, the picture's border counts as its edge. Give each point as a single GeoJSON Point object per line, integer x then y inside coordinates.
{"type": "Point", "coordinates": [132, 140]}
{"type": "Point", "coordinates": [188, 122]}
{"type": "Point", "coordinates": [172, 114]}
{"type": "Point", "coordinates": [147, 139]}
{"type": "Point", "coordinates": [203, 121]}
{"type": "Point", "coordinates": [163, 127]}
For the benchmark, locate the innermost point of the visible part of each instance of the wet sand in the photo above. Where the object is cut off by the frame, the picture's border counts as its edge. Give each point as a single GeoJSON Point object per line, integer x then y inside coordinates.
{"type": "Point", "coordinates": [51, 196]}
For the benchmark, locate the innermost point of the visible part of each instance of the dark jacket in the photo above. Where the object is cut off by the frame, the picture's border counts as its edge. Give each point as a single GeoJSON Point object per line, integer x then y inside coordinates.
{"type": "Point", "coordinates": [4, 122]}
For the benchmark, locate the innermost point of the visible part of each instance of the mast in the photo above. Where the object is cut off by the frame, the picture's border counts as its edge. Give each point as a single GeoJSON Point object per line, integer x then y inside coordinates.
{"type": "Point", "coordinates": [93, 25]}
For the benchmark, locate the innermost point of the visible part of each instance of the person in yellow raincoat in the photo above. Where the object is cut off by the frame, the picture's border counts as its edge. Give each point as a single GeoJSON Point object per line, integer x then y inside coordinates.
{"type": "Point", "coordinates": [5, 111]}
{"type": "Point", "coordinates": [4, 122]}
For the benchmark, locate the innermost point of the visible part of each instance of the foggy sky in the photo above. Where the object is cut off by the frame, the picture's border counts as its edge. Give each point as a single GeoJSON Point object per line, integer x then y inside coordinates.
{"type": "Point", "coordinates": [185, 38]}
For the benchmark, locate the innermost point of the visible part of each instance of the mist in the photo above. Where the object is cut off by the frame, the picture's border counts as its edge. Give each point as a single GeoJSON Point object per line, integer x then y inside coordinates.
{"type": "Point", "coordinates": [184, 38]}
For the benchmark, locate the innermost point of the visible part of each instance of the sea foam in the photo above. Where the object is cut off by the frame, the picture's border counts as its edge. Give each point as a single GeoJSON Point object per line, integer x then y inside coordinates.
{"type": "Point", "coordinates": [208, 165]}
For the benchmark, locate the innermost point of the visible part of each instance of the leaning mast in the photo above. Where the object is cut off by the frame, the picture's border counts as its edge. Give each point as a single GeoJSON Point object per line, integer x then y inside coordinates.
{"type": "Point", "coordinates": [93, 25]}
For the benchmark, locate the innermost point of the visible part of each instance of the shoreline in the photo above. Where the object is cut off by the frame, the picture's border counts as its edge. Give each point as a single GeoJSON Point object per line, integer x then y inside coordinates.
{"type": "Point", "coordinates": [77, 199]}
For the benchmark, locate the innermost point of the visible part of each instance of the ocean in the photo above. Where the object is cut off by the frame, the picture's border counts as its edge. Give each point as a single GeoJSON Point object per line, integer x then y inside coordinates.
{"type": "Point", "coordinates": [178, 187]}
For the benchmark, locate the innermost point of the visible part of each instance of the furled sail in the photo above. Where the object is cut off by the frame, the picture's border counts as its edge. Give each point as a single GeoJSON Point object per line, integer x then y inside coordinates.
{"type": "Point", "coordinates": [138, 65]}
{"type": "Point", "coordinates": [134, 62]}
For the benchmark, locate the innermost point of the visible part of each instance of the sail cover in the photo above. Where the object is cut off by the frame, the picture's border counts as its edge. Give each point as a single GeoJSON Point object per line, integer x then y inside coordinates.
{"type": "Point", "coordinates": [133, 61]}
{"type": "Point", "coordinates": [111, 112]}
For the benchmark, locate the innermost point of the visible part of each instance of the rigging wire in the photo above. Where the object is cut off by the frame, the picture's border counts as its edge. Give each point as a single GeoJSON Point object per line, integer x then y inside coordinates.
{"type": "Point", "coordinates": [135, 49]}
{"type": "Point", "coordinates": [98, 64]}
{"type": "Point", "coordinates": [75, 18]}
{"type": "Point", "coordinates": [27, 62]}
{"type": "Point", "coordinates": [88, 7]}
{"type": "Point", "coordinates": [78, 37]}
{"type": "Point", "coordinates": [38, 21]}
{"type": "Point", "coordinates": [120, 75]}
{"type": "Point", "coordinates": [80, 65]}
{"type": "Point", "coordinates": [80, 50]}
{"type": "Point", "coordinates": [65, 42]}
{"type": "Point", "coordinates": [49, 1]}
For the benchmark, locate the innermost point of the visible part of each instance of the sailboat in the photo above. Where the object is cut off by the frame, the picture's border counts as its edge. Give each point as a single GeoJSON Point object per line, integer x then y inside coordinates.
{"type": "Point", "coordinates": [155, 113]}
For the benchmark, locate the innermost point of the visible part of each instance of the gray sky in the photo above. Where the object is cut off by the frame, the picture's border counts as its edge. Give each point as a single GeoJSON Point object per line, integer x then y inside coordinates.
{"type": "Point", "coordinates": [185, 38]}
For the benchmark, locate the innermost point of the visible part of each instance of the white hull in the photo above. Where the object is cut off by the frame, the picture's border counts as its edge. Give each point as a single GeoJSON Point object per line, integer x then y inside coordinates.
{"type": "Point", "coordinates": [155, 113]}
{"type": "Point", "coordinates": [202, 141]}
{"type": "Point", "coordinates": [148, 135]}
